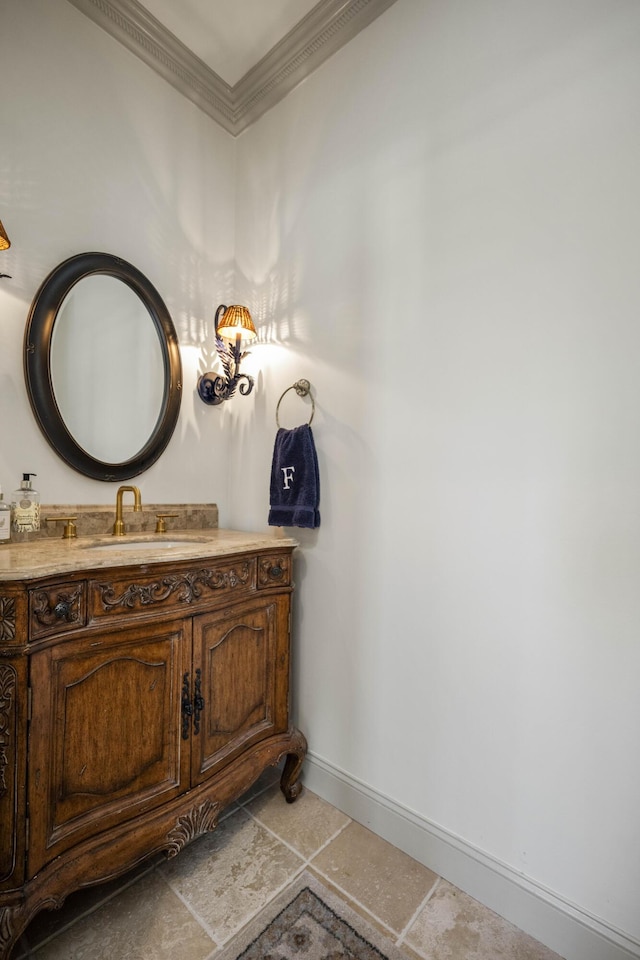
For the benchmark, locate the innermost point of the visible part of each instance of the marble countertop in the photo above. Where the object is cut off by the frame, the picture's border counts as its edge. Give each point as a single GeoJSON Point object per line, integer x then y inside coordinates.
{"type": "Point", "coordinates": [45, 557]}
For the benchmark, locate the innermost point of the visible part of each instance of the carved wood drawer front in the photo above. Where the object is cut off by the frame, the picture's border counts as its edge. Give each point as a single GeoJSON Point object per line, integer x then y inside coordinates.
{"type": "Point", "coordinates": [57, 608]}
{"type": "Point", "coordinates": [274, 570]}
{"type": "Point", "coordinates": [167, 588]}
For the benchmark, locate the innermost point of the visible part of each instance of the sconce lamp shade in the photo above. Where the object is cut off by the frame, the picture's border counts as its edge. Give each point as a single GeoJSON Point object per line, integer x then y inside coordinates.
{"type": "Point", "coordinates": [236, 320]}
{"type": "Point", "coordinates": [5, 243]}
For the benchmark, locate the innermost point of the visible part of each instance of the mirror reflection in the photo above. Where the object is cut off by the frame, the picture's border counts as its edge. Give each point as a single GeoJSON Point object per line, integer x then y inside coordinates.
{"type": "Point", "coordinates": [111, 400]}
{"type": "Point", "coordinates": [102, 366]}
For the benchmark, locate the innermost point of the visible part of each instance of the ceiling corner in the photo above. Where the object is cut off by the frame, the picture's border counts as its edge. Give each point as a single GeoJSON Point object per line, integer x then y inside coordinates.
{"type": "Point", "coordinates": [324, 30]}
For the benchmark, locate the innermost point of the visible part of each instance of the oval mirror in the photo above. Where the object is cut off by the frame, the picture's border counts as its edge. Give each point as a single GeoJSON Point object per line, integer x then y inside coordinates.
{"type": "Point", "coordinates": [102, 366]}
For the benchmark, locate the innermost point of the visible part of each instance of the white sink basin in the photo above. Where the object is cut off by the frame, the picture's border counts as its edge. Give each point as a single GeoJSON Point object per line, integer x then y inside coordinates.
{"type": "Point", "coordinates": [118, 544]}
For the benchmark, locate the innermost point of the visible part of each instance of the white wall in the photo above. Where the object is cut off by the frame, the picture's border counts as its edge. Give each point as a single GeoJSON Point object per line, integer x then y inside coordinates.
{"type": "Point", "coordinates": [98, 153]}
{"type": "Point", "coordinates": [443, 224]}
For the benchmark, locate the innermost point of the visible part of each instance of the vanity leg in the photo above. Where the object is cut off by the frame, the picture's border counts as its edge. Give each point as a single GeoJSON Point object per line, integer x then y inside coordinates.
{"type": "Point", "coordinates": [11, 926]}
{"type": "Point", "coordinates": [289, 783]}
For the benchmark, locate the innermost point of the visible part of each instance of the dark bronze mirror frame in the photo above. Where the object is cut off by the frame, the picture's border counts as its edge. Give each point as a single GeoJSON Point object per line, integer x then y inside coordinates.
{"type": "Point", "coordinates": [37, 364]}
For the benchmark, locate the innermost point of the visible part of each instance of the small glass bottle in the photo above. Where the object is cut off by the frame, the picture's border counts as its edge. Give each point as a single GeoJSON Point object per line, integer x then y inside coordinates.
{"type": "Point", "coordinates": [5, 520]}
{"type": "Point", "coordinates": [25, 510]}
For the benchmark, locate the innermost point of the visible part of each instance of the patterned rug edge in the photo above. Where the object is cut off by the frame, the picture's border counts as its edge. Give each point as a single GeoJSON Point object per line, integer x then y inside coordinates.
{"type": "Point", "coordinates": [382, 946]}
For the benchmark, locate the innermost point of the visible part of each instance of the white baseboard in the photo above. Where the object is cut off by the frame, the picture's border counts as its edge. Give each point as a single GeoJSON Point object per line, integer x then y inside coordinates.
{"type": "Point", "coordinates": [562, 926]}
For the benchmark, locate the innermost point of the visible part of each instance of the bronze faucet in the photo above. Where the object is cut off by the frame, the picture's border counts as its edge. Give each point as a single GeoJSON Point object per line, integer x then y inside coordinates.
{"type": "Point", "coordinates": [118, 527]}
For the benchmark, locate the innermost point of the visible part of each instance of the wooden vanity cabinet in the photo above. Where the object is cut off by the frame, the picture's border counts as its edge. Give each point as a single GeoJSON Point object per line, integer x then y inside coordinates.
{"type": "Point", "coordinates": [135, 704]}
{"type": "Point", "coordinates": [244, 680]}
{"type": "Point", "coordinates": [104, 736]}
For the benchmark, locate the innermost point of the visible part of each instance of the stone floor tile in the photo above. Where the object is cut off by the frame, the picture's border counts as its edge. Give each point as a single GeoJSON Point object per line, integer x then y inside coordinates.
{"type": "Point", "coordinates": [453, 926]}
{"type": "Point", "coordinates": [306, 825]}
{"type": "Point", "coordinates": [187, 906]}
{"type": "Point", "coordinates": [387, 882]}
{"type": "Point", "coordinates": [48, 923]}
{"type": "Point", "coordinates": [227, 876]}
{"type": "Point", "coordinates": [146, 921]}
{"type": "Point", "coordinates": [357, 907]}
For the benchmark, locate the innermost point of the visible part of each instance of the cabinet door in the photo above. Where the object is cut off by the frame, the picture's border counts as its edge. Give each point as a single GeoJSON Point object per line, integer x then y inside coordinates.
{"type": "Point", "coordinates": [243, 658]}
{"type": "Point", "coordinates": [104, 740]}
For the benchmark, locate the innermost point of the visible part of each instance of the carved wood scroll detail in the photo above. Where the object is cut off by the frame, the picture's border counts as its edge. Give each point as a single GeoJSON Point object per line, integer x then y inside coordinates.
{"type": "Point", "coordinates": [7, 618]}
{"type": "Point", "coordinates": [8, 679]}
{"type": "Point", "coordinates": [57, 607]}
{"type": "Point", "coordinates": [186, 587]}
{"type": "Point", "coordinates": [199, 820]}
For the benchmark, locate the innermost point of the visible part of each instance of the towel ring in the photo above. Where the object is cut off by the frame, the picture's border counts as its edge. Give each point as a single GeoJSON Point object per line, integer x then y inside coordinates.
{"type": "Point", "coordinates": [303, 389]}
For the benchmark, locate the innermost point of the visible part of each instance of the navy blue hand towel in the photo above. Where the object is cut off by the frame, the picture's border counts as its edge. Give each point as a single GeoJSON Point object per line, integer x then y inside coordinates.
{"type": "Point", "coordinates": [295, 482]}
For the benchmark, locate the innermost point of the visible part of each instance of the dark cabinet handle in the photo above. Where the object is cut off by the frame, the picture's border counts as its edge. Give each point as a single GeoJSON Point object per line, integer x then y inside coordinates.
{"type": "Point", "coordinates": [198, 702]}
{"type": "Point", "coordinates": [276, 572]}
{"type": "Point", "coordinates": [62, 610]}
{"type": "Point", "coordinates": [187, 708]}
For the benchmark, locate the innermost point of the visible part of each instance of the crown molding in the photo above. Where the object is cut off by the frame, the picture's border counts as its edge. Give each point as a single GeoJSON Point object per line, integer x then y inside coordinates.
{"type": "Point", "coordinates": [326, 28]}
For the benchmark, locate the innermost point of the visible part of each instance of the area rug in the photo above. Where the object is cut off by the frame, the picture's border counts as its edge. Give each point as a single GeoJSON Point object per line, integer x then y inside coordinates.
{"type": "Point", "coordinates": [308, 922]}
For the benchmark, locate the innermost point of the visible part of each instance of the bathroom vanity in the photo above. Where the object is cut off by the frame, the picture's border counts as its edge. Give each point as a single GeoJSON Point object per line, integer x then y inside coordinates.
{"type": "Point", "coordinates": [144, 685]}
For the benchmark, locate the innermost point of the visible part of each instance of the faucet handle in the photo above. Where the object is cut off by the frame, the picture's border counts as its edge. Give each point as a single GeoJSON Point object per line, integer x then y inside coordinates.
{"type": "Point", "coordinates": [69, 532]}
{"type": "Point", "coordinates": [161, 526]}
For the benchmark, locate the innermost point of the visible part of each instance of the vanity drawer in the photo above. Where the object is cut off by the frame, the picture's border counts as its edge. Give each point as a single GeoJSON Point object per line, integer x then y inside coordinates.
{"type": "Point", "coordinates": [163, 590]}
{"type": "Point", "coordinates": [57, 608]}
{"type": "Point", "coordinates": [274, 570]}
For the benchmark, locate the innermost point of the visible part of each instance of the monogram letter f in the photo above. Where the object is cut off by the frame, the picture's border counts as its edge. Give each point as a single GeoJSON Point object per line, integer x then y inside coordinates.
{"type": "Point", "coordinates": [287, 476]}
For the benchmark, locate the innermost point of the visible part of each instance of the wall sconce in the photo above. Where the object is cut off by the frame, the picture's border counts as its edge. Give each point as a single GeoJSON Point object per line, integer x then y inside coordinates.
{"type": "Point", "coordinates": [231, 323]}
{"type": "Point", "coordinates": [5, 243]}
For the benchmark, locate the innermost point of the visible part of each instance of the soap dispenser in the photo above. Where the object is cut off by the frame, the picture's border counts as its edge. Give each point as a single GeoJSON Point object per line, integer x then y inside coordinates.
{"type": "Point", "coordinates": [5, 520]}
{"type": "Point", "coordinates": [25, 510]}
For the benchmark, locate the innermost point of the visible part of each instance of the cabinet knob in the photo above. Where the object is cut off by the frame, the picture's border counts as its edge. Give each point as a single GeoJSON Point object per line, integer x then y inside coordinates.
{"type": "Point", "coordinates": [276, 571]}
{"type": "Point", "coordinates": [62, 610]}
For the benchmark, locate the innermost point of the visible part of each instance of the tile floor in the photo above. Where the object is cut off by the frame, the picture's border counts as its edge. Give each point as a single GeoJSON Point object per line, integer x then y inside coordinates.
{"type": "Point", "coordinates": [191, 906]}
